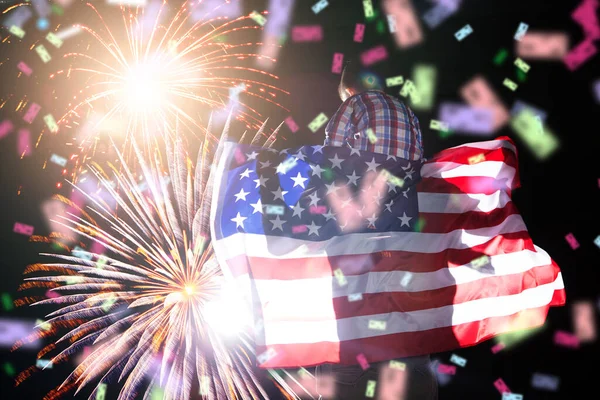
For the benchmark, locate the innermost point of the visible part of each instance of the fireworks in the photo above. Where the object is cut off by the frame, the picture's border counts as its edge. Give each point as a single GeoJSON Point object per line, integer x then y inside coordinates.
{"type": "Point", "coordinates": [152, 307]}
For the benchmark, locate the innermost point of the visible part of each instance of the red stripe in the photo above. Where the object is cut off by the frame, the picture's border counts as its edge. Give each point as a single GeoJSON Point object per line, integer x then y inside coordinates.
{"type": "Point", "coordinates": [317, 267]}
{"type": "Point", "coordinates": [389, 302]}
{"type": "Point", "coordinates": [387, 347]}
{"type": "Point", "coordinates": [462, 155]}
{"type": "Point", "coordinates": [464, 185]}
{"type": "Point", "coordinates": [446, 222]}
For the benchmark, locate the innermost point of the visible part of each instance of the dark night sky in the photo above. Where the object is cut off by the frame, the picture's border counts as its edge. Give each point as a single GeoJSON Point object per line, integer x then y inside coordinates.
{"type": "Point", "coordinates": [558, 195]}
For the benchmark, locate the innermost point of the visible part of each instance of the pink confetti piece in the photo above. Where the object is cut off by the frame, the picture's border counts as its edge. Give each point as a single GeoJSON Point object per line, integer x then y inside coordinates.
{"type": "Point", "coordinates": [239, 157]}
{"type": "Point", "coordinates": [359, 33]}
{"type": "Point", "coordinates": [289, 121]}
{"type": "Point", "coordinates": [585, 15]}
{"type": "Point", "coordinates": [52, 295]}
{"type": "Point", "coordinates": [374, 55]}
{"type": "Point", "coordinates": [307, 33]}
{"type": "Point", "coordinates": [572, 241]}
{"type": "Point", "coordinates": [23, 142]}
{"type": "Point", "coordinates": [338, 59]}
{"type": "Point", "coordinates": [407, 29]}
{"type": "Point", "coordinates": [6, 127]}
{"type": "Point", "coordinates": [566, 339]}
{"type": "Point", "coordinates": [32, 112]}
{"type": "Point", "coordinates": [318, 209]}
{"type": "Point", "coordinates": [501, 386]}
{"type": "Point", "coordinates": [362, 360]}
{"type": "Point", "coordinates": [543, 45]}
{"type": "Point", "coordinates": [498, 347]}
{"type": "Point", "coordinates": [23, 229]}
{"type": "Point", "coordinates": [299, 229]}
{"type": "Point", "coordinates": [447, 369]}
{"type": "Point", "coordinates": [24, 68]}
{"type": "Point", "coordinates": [580, 54]}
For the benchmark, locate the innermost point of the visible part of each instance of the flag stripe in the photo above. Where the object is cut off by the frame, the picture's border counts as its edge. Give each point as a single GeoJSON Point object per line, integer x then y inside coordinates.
{"type": "Point", "coordinates": [391, 297]}
{"type": "Point", "coordinates": [357, 327]}
{"type": "Point", "coordinates": [390, 346]}
{"type": "Point", "coordinates": [459, 203]}
{"type": "Point", "coordinates": [253, 245]}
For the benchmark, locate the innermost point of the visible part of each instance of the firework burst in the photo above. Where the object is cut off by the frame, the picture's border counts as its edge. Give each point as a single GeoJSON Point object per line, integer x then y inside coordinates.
{"type": "Point", "coordinates": [149, 308]}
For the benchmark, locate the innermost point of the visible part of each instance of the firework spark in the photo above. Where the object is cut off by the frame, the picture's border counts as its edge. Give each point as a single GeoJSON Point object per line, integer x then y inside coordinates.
{"type": "Point", "coordinates": [151, 308]}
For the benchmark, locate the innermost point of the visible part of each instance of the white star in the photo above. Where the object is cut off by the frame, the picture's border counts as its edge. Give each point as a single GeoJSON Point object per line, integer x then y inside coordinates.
{"type": "Point", "coordinates": [278, 194]}
{"type": "Point", "coordinates": [316, 170]}
{"type": "Point", "coordinates": [246, 173]}
{"type": "Point", "coordinates": [277, 223]}
{"type": "Point", "coordinates": [391, 186]}
{"type": "Point", "coordinates": [409, 173]}
{"type": "Point", "coordinates": [241, 195]}
{"type": "Point", "coordinates": [313, 229]}
{"type": "Point", "coordinates": [252, 155]}
{"type": "Point", "coordinates": [407, 167]}
{"type": "Point", "coordinates": [353, 178]}
{"type": "Point", "coordinates": [261, 181]}
{"type": "Point", "coordinates": [284, 151]}
{"type": "Point", "coordinates": [239, 221]}
{"type": "Point", "coordinates": [354, 151]}
{"type": "Point", "coordinates": [298, 210]}
{"type": "Point", "coordinates": [392, 157]}
{"type": "Point", "coordinates": [360, 211]}
{"type": "Point", "coordinates": [337, 162]}
{"type": "Point", "coordinates": [389, 205]}
{"type": "Point", "coordinates": [372, 165]}
{"type": "Point", "coordinates": [404, 220]}
{"type": "Point", "coordinates": [265, 164]}
{"type": "Point", "coordinates": [272, 150]}
{"type": "Point", "coordinates": [299, 155]}
{"type": "Point", "coordinates": [329, 215]}
{"type": "Point", "coordinates": [404, 193]}
{"type": "Point", "coordinates": [314, 200]}
{"type": "Point", "coordinates": [258, 207]}
{"type": "Point", "coordinates": [299, 181]}
{"type": "Point", "coordinates": [317, 149]}
{"type": "Point", "coordinates": [331, 188]}
{"type": "Point", "coordinates": [372, 220]}
{"type": "Point", "coordinates": [286, 165]}
{"type": "Point", "coordinates": [378, 197]}
{"type": "Point", "coordinates": [347, 201]}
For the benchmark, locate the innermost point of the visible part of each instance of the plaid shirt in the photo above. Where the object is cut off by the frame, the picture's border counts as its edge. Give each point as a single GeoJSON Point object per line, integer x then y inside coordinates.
{"type": "Point", "coordinates": [394, 125]}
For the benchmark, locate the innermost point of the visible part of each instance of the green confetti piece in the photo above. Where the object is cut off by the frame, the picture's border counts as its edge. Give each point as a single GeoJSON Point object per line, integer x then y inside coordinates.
{"type": "Point", "coordinates": [515, 338]}
{"type": "Point", "coordinates": [9, 369]}
{"type": "Point", "coordinates": [157, 393]}
{"type": "Point", "coordinates": [419, 225]}
{"type": "Point", "coordinates": [540, 140]}
{"type": "Point", "coordinates": [380, 27]}
{"type": "Point", "coordinates": [56, 9]}
{"type": "Point", "coordinates": [445, 134]}
{"type": "Point", "coordinates": [7, 302]}
{"type": "Point", "coordinates": [500, 57]}
{"type": "Point", "coordinates": [521, 76]}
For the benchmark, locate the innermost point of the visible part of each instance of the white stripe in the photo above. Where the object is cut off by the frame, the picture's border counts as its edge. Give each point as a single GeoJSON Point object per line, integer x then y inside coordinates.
{"type": "Point", "coordinates": [389, 281]}
{"type": "Point", "coordinates": [256, 245]}
{"type": "Point", "coordinates": [487, 145]}
{"type": "Point", "coordinates": [458, 203]}
{"type": "Point", "coordinates": [492, 169]}
{"type": "Point", "coordinates": [413, 321]}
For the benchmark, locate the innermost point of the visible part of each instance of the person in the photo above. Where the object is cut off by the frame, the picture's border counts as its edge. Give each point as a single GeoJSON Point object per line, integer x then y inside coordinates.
{"type": "Point", "coordinates": [393, 129]}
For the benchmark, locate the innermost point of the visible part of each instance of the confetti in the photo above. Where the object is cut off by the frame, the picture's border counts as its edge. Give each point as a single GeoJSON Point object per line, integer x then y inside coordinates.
{"type": "Point", "coordinates": [299, 228]}
{"type": "Point", "coordinates": [424, 77]}
{"type": "Point", "coordinates": [463, 32]}
{"type": "Point", "coordinates": [584, 321]}
{"type": "Point", "coordinates": [274, 209]}
{"type": "Point", "coordinates": [106, 305]}
{"type": "Point", "coordinates": [397, 365]}
{"type": "Point", "coordinates": [24, 68]}
{"type": "Point", "coordinates": [7, 302]}
{"type": "Point", "coordinates": [438, 14]}
{"type": "Point", "coordinates": [51, 123]}
{"type": "Point", "coordinates": [307, 33]}
{"type": "Point", "coordinates": [496, 348]}
{"type": "Point", "coordinates": [54, 40]}
{"type": "Point", "coordinates": [379, 325]}
{"type": "Point", "coordinates": [510, 84]}
{"type": "Point", "coordinates": [318, 210]}
{"type": "Point", "coordinates": [31, 112]}
{"type": "Point", "coordinates": [597, 240]}
{"type": "Point", "coordinates": [371, 136]}
{"type": "Point", "coordinates": [56, 159]}
{"type": "Point", "coordinates": [5, 128]}
{"type": "Point", "coordinates": [478, 93]}
{"type": "Point", "coordinates": [500, 56]}
{"type": "Point", "coordinates": [521, 30]}
{"type": "Point", "coordinates": [355, 297]}
{"type": "Point", "coordinates": [409, 88]}
{"type": "Point", "coordinates": [501, 386]}
{"type": "Point", "coordinates": [466, 118]}
{"type": "Point", "coordinates": [545, 382]}
{"type": "Point", "coordinates": [447, 369]}
{"type": "Point", "coordinates": [338, 59]}
{"type": "Point", "coordinates": [580, 54]}
{"type": "Point", "coordinates": [43, 53]}
{"type": "Point", "coordinates": [438, 125]}
{"type": "Point", "coordinates": [512, 396]}
{"type": "Point", "coordinates": [374, 55]}
{"type": "Point", "coordinates": [101, 391]}
{"type": "Point", "coordinates": [258, 18]}
{"type": "Point", "coordinates": [339, 275]}
{"type": "Point", "coordinates": [570, 238]}
{"type": "Point", "coordinates": [394, 81]}
{"type": "Point", "coordinates": [370, 392]}
{"type": "Point", "coordinates": [266, 356]}
{"type": "Point", "coordinates": [368, 8]}
{"type": "Point", "coordinates": [289, 121]}
{"type": "Point", "coordinates": [359, 33]}
{"type": "Point", "coordinates": [539, 45]}
{"type": "Point", "coordinates": [408, 31]}
{"type": "Point", "coordinates": [566, 339]}
{"type": "Point", "coordinates": [320, 6]}
{"type": "Point", "coordinates": [458, 360]}
{"type": "Point", "coordinates": [18, 32]}
{"type": "Point", "coordinates": [318, 122]}
{"type": "Point", "coordinates": [9, 369]}
{"type": "Point", "coordinates": [362, 360]}
{"type": "Point", "coordinates": [23, 142]}
{"type": "Point", "coordinates": [23, 229]}
{"type": "Point", "coordinates": [43, 364]}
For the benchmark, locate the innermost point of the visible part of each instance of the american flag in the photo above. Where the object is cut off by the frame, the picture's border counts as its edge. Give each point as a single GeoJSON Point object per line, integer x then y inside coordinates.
{"type": "Point", "coordinates": [446, 263]}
